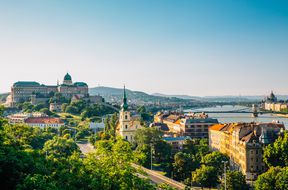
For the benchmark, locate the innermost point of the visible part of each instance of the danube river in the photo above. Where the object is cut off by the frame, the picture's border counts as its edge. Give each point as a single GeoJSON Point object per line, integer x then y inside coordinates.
{"type": "Point", "coordinates": [239, 117]}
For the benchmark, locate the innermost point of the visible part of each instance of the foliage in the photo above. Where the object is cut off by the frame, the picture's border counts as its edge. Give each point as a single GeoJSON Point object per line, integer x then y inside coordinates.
{"type": "Point", "coordinates": [114, 160]}
{"type": "Point", "coordinates": [183, 165]}
{"type": "Point", "coordinates": [2, 109]}
{"type": "Point", "coordinates": [276, 154]}
{"type": "Point", "coordinates": [235, 180]}
{"type": "Point", "coordinates": [215, 159]}
{"type": "Point", "coordinates": [111, 124]}
{"type": "Point", "coordinates": [151, 138]}
{"type": "Point", "coordinates": [26, 164]}
{"type": "Point", "coordinates": [276, 178]}
{"type": "Point", "coordinates": [60, 147]}
{"type": "Point", "coordinates": [22, 135]}
{"type": "Point", "coordinates": [205, 176]}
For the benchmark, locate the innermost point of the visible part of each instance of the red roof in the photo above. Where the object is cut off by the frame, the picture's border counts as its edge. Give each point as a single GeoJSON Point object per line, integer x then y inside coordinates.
{"type": "Point", "coordinates": [44, 120]}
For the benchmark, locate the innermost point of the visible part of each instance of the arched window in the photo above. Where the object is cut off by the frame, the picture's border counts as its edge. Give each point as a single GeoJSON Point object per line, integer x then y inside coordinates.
{"type": "Point", "coordinates": [126, 117]}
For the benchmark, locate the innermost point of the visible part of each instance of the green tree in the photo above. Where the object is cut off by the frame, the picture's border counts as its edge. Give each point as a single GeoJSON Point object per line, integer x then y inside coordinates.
{"type": "Point", "coordinates": [282, 179]}
{"type": "Point", "coordinates": [235, 180]}
{"type": "Point", "coordinates": [267, 180]}
{"type": "Point", "coordinates": [151, 138]}
{"type": "Point", "coordinates": [60, 147]}
{"type": "Point", "coordinates": [215, 159]}
{"type": "Point", "coordinates": [205, 176]}
{"type": "Point", "coordinates": [114, 160]}
{"type": "Point", "coordinates": [2, 109]}
{"type": "Point", "coordinates": [183, 165]}
{"type": "Point", "coordinates": [276, 154]}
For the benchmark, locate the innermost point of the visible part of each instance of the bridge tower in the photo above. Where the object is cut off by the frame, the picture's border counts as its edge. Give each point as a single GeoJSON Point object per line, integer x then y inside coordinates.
{"type": "Point", "coordinates": [255, 110]}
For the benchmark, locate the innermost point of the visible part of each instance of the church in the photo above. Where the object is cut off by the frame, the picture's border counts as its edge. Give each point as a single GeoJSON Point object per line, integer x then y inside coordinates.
{"type": "Point", "coordinates": [128, 123]}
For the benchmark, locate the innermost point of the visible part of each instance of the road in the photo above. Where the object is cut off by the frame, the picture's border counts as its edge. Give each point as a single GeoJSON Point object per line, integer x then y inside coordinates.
{"type": "Point", "coordinates": [160, 179]}
{"type": "Point", "coordinates": [85, 147]}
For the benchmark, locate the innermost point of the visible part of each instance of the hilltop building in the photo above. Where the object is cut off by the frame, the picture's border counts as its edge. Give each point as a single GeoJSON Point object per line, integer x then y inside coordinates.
{"type": "Point", "coordinates": [244, 143]}
{"type": "Point", "coordinates": [128, 123]}
{"type": "Point", "coordinates": [192, 125]}
{"type": "Point", "coordinates": [37, 93]}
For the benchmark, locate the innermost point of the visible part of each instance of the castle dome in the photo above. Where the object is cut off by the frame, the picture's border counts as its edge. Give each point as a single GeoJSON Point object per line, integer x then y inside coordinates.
{"type": "Point", "coordinates": [67, 77]}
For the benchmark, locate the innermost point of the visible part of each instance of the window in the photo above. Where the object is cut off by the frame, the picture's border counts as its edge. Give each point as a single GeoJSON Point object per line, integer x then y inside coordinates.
{"type": "Point", "coordinates": [126, 126]}
{"type": "Point", "coordinates": [126, 117]}
{"type": "Point", "coordinates": [256, 151]}
{"type": "Point", "coordinates": [126, 137]}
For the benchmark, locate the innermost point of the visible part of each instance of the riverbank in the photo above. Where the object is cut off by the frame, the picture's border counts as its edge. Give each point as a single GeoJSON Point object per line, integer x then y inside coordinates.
{"type": "Point", "coordinates": [281, 115]}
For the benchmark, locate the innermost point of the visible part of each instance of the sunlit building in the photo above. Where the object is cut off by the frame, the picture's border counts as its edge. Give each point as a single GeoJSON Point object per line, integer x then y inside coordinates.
{"type": "Point", "coordinates": [244, 143]}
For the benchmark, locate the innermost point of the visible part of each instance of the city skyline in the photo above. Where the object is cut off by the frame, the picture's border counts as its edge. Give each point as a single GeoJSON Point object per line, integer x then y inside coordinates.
{"type": "Point", "coordinates": [185, 47]}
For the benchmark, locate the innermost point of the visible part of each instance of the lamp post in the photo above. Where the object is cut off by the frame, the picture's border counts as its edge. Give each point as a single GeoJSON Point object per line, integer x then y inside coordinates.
{"type": "Point", "coordinates": [151, 156]}
{"type": "Point", "coordinates": [225, 185]}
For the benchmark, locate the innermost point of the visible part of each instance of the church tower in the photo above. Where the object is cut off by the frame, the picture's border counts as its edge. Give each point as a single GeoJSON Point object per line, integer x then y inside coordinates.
{"type": "Point", "coordinates": [125, 118]}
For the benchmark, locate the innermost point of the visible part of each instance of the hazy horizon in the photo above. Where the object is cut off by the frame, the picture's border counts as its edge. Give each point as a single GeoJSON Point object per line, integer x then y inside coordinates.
{"type": "Point", "coordinates": [196, 48]}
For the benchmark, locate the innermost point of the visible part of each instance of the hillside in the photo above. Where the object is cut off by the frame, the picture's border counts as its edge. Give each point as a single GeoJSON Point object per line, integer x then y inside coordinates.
{"type": "Point", "coordinates": [116, 95]}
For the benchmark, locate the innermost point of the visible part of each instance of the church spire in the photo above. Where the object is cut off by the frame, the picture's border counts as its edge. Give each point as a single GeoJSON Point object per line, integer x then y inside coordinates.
{"type": "Point", "coordinates": [124, 104]}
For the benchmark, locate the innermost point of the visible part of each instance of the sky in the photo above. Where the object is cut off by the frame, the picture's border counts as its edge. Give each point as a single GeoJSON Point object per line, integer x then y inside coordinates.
{"type": "Point", "coordinates": [192, 47]}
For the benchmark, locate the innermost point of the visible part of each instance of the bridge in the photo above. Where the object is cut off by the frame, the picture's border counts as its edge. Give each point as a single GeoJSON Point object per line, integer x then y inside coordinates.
{"type": "Point", "coordinates": [252, 110]}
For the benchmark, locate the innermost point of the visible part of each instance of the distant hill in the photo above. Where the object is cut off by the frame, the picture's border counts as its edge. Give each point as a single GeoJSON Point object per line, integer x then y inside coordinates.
{"type": "Point", "coordinates": [223, 98]}
{"type": "Point", "coordinates": [116, 95]}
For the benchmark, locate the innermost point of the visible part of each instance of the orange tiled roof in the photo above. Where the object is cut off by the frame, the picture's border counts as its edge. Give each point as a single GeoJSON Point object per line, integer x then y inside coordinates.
{"type": "Point", "coordinates": [44, 120]}
{"type": "Point", "coordinates": [177, 122]}
{"type": "Point", "coordinates": [217, 127]}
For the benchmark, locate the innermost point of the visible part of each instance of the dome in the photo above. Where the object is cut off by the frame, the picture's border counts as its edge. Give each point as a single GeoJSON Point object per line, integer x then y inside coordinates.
{"type": "Point", "coordinates": [67, 77]}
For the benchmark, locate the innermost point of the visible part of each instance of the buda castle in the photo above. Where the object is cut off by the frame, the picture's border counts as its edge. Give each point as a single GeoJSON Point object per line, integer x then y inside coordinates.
{"type": "Point", "coordinates": [30, 90]}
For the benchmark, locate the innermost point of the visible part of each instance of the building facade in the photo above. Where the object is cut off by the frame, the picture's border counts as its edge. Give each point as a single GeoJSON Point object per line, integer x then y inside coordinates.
{"type": "Point", "coordinates": [243, 143]}
{"type": "Point", "coordinates": [272, 104]}
{"type": "Point", "coordinates": [192, 125]}
{"type": "Point", "coordinates": [43, 122]}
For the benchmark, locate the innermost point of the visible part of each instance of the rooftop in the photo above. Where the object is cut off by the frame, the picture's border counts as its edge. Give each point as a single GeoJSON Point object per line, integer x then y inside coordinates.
{"type": "Point", "coordinates": [44, 120]}
{"type": "Point", "coordinates": [176, 138]}
{"type": "Point", "coordinates": [25, 83]}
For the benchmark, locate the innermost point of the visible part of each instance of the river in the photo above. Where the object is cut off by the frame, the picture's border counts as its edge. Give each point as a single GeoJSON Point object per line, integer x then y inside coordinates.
{"type": "Point", "coordinates": [239, 117]}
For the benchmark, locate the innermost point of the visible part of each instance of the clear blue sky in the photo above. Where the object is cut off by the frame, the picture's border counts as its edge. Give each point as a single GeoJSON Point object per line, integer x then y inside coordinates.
{"type": "Point", "coordinates": [207, 47]}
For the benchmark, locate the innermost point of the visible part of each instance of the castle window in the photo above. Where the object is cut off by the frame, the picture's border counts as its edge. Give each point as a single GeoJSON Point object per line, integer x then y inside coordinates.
{"type": "Point", "coordinates": [126, 117]}
{"type": "Point", "coordinates": [126, 126]}
{"type": "Point", "coordinates": [126, 137]}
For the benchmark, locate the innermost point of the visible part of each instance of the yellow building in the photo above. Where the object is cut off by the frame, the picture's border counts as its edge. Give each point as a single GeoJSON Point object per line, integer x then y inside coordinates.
{"type": "Point", "coordinates": [128, 124]}
{"type": "Point", "coordinates": [243, 143]}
